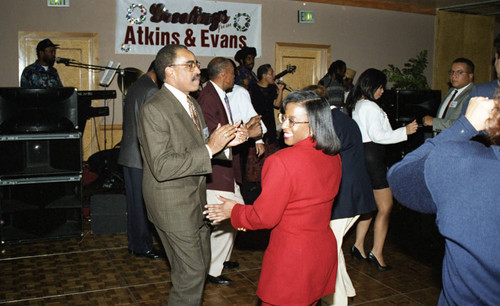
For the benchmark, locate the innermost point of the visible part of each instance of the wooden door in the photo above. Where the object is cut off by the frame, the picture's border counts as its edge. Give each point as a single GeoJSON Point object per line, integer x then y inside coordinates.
{"type": "Point", "coordinates": [82, 47]}
{"type": "Point", "coordinates": [312, 63]}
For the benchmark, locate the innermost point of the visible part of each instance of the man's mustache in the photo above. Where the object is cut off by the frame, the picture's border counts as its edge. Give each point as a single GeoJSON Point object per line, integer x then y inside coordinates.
{"type": "Point", "coordinates": [196, 77]}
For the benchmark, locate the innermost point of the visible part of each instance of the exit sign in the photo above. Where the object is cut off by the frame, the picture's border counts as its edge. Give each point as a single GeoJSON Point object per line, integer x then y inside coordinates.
{"type": "Point", "coordinates": [306, 16]}
{"type": "Point", "coordinates": [58, 3]}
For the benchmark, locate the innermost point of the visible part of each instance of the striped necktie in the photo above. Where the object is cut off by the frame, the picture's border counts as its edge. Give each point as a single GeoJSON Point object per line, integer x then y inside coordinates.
{"type": "Point", "coordinates": [226, 100]}
{"type": "Point", "coordinates": [194, 114]}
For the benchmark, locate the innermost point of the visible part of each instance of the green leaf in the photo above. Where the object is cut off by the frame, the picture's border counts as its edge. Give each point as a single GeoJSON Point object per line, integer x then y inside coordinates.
{"type": "Point", "coordinates": [411, 76]}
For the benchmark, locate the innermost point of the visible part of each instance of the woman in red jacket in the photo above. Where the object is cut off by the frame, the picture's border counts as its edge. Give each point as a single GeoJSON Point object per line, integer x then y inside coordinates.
{"type": "Point", "coordinates": [299, 185]}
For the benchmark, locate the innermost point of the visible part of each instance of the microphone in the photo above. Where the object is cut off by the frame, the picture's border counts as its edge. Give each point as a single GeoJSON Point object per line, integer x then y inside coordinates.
{"type": "Point", "coordinates": [62, 60]}
{"type": "Point", "coordinates": [283, 83]}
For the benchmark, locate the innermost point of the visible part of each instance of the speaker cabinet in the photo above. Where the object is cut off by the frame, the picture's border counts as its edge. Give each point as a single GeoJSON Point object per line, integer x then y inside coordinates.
{"type": "Point", "coordinates": [40, 186]}
{"type": "Point", "coordinates": [404, 106]}
{"type": "Point", "coordinates": [108, 213]}
{"type": "Point", "coordinates": [41, 209]}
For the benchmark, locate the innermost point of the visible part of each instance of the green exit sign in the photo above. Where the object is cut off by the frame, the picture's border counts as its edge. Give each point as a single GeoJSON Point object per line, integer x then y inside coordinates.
{"type": "Point", "coordinates": [58, 3]}
{"type": "Point", "coordinates": [306, 16]}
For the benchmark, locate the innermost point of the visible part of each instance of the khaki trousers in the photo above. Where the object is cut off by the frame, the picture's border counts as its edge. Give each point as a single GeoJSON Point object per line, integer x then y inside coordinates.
{"type": "Point", "coordinates": [222, 238]}
{"type": "Point", "coordinates": [343, 284]}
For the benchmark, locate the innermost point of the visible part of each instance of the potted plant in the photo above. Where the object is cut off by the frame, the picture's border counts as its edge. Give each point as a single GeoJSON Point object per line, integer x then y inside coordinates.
{"type": "Point", "coordinates": [410, 98]}
{"type": "Point", "coordinates": [411, 76]}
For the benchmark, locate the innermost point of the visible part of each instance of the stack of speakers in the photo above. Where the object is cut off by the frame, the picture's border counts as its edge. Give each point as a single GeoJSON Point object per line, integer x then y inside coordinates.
{"type": "Point", "coordinates": [40, 183]}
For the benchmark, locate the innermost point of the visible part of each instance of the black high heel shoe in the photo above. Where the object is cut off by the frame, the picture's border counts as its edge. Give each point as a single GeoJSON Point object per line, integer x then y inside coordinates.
{"type": "Point", "coordinates": [374, 259]}
{"type": "Point", "coordinates": [356, 253]}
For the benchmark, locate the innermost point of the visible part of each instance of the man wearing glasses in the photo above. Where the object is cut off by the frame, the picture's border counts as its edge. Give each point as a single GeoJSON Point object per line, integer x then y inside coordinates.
{"type": "Point", "coordinates": [461, 77]}
{"type": "Point", "coordinates": [177, 151]}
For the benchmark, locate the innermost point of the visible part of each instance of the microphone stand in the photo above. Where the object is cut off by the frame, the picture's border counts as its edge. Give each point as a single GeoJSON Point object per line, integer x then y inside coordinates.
{"type": "Point", "coordinates": [76, 64]}
{"type": "Point", "coordinates": [73, 63]}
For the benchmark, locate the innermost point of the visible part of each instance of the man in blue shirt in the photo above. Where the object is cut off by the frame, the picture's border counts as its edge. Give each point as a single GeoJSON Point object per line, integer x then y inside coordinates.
{"type": "Point", "coordinates": [41, 73]}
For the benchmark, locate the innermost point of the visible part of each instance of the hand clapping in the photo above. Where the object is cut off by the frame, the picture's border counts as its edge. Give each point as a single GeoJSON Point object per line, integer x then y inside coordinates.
{"type": "Point", "coordinates": [221, 136]}
{"type": "Point", "coordinates": [241, 134]}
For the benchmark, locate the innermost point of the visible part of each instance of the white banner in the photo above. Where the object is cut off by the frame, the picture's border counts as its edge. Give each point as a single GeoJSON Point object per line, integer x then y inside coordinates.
{"type": "Point", "coordinates": [207, 28]}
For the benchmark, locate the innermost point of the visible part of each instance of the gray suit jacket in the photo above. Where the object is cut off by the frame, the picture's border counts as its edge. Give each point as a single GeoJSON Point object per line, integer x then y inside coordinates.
{"type": "Point", "coordinates": [176, 162]}
{"type": "Point", "coordinates": [452, 113]}
{"type": "Point", "coordinates": [140, 91]}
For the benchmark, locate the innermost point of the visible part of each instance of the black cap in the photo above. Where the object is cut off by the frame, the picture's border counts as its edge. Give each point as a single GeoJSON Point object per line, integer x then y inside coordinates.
{"type": "Point", "coordinates": [45, 44]}
{"type": "Point", "coordinates": [243, 52]}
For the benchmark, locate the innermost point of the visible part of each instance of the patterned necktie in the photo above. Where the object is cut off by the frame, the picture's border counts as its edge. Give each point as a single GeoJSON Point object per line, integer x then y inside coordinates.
{"type": "Point", "coordinates": [449, 102]}
{"type": "Point", "coordinates": [194, 114]}
{"type": "Point", "coordinates": [228, 108]}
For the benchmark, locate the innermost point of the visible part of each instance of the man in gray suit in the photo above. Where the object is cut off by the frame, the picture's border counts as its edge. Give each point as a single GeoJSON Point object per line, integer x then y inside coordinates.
{"type": "Point", "coordinates": [140, 241]}
{"type": "Point", "coordinates": [177, 150]}
{"type": "Point", "coordinates": [461, 77]}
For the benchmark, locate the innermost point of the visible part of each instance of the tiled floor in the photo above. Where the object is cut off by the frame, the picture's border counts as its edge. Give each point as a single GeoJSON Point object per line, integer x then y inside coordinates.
{"type": "Point", "coordinates": [97, 270]}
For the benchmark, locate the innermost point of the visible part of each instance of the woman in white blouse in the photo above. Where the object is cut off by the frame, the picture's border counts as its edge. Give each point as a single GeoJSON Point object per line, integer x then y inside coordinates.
{"type": "Point", "coordinates": [376, 132]}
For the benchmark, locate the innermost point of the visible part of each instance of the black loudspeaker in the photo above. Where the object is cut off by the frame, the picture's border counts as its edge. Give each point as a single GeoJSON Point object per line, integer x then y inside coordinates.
{"type": "Point", "coordinates": [404, 106]}
{"type": "Point", "coordinates": [40, 209]}
{"type": "Point", "coordinates": [108, 213]}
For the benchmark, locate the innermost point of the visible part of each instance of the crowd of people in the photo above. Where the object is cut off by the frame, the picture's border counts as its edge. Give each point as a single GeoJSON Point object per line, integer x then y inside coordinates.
{"type": "Point", "coordinates": [185, 161]}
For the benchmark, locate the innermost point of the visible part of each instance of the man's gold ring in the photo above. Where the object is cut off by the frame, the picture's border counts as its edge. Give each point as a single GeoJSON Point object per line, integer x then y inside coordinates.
{"type": "Point", "coordinates": [226, 135]}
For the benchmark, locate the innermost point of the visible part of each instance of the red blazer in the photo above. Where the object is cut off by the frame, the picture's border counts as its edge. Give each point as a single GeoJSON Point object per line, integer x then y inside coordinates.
{"type": "Point", "coordinates": [299, 185]}
{"type": "Point", "coordinates": [224, 172]}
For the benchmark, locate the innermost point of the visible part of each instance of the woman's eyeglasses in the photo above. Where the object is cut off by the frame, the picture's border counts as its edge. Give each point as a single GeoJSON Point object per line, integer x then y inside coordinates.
{"type": "Point", "coordinates": [282, 119]}
{"type": "Point", "coordinates": [191, 65]}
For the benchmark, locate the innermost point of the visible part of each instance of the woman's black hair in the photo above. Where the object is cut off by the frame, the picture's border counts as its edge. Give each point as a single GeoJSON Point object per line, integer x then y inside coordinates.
{"type": "Point", "coordinates": [366, 86]}
{"type": "Point", "coordinates": [320, 119]}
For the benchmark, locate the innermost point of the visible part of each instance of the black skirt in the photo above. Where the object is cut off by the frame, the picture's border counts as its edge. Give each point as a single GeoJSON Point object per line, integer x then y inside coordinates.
{"type": "Point", "coordinates": [376, 164]}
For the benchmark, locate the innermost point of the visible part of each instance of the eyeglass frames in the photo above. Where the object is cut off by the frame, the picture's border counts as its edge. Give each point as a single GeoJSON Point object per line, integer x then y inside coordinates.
{"type": "Point", "coordinates": [282, 119]}
{"type": "Point", "coordinates": [191, 65]}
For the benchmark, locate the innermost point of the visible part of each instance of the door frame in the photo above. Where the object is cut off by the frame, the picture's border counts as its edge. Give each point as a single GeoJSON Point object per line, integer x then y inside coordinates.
{"type": "Point", "coordinates": [325, 52]}
{"type": "Point", "coordinates": [28, 36]}
{"type": "Point", "coordinates": [27, 55]}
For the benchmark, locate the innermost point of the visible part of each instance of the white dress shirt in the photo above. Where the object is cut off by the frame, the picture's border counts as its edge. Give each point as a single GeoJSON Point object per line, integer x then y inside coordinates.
{"type": "Point", "coordinates": [374, 124]}
{"type": "Point", "coordinates": [242, 108]}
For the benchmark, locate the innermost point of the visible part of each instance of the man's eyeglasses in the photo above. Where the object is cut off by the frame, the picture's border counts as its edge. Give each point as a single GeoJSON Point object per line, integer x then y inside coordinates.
{"type": "Point", "coordinates": [458, 72]}
{"type": "Point", "coordinates": [191, 65]}
{"type": "Point", "coordinates": [282, 119]}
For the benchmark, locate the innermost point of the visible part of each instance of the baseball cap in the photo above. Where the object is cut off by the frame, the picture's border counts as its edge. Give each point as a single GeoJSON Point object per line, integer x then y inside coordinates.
{"type": "Point", "coordinates": [45, 44]}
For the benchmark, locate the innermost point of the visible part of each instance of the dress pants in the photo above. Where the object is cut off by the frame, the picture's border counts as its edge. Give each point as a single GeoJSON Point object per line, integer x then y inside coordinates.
{"type": "Point", "coordinates": [223, 235]}
{"type": "Point", "coordinates": [343, 284]}
{"type": "Point", "coordinates": [138, 227]}
{"type": "Point", "coordinates": [188, 253]}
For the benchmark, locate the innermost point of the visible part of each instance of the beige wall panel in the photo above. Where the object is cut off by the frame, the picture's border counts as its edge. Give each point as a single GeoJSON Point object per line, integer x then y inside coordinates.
{"type": "Point", "coordinates": [460, 35]}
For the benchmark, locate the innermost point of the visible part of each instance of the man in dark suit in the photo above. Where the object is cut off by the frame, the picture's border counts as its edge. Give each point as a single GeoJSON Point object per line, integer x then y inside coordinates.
{"type": "Point", "coordinates": [140, 241]}
{"type": "Point", "coordinates": [461, 77]}
{"type": "Point", "coordinates": [487, 90]}
{"type": "Point", "coordinates": [177, 150]}
{"type": "Point", "coordinates": [216, 110]}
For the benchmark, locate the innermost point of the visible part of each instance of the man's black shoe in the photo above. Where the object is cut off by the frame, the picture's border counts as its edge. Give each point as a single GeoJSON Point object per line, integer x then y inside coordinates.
{"type": "Point", "coordinates": [231, 265]}
{"type": "Point", "coordinates": [219, 280]}
{"type": "Point", "coordinates": [151, 254]}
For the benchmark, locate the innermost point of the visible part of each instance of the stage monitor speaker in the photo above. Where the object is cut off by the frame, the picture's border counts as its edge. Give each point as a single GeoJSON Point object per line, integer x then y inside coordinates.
{"type": "Point", "coordinates": [108, 213]}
